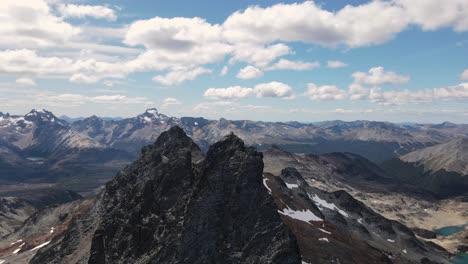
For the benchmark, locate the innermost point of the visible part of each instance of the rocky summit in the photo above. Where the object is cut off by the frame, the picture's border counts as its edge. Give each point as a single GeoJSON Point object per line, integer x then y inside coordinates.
{"type": "Point", "coordinates": [175, 205]}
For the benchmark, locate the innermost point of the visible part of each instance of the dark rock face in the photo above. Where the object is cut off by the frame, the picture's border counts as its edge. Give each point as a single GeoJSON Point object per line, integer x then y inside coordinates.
{"type": "Point", "coordinates": [462, 248]}
{"type": "Point", "coordinates": [442, 183]}
{"type": "Point", "coordinates": [424, 233]}
{"type": "Point", "coordinates": [175, 206]}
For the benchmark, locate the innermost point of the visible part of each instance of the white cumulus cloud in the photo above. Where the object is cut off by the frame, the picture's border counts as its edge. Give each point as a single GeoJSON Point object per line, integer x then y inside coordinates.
{"type": "Point", "coordinates": [249, 72]}
{"type": "Point", "coordinates": [25, 81]}
{"type": "Point", "coordinates": [419, 96]}
{"type": "Point", "coordinates": [308, 22]}
{"type": "Point", "coordinates": [336, 64]}
{"type": "Point", "coordinates": [284, 64]}
{"type": "Point", "coordinates": [82, 11]}
{"type": "Point", "coordinates": [224, 71]}
{"type": "Point", "coordinates": [378, 76]}
{"type": "Point", "coordinates": [179, 76]}
{"type": "Point", "coordinates": [271, 89]}
{"type": "Point", "coordinates": [434, 14]}
{"type": "Point", "coordinates": [229, 92]}
{"type": "Point", "coordinates": [170, 101]}
{"type": "Point", "coordinates": [258, 54]}
{"type": "Point", "coordinates": [464, 75]}
{"type": "Point", "coordinates": [358, 92]}
{"type": "Point", "coordinates": [324, 92]}
{"type": "Point", "coordinates": [32, 24]}
{"type": "Point", "coordinates": [69, 100]}
{"type": "Point", "coordinates": [29, 62]}
{"type": "Point", "coordinates": [353, 26]}
{"type": "Point", "coordinates": [37, 39]}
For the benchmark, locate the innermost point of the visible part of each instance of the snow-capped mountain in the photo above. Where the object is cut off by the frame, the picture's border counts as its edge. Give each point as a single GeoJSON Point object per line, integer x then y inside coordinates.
{"type": "Point", "coordinates": [41, 134]}
{"type": "Point", "coordinates": [39, 145]}
{"type": "Point", "coordinates": [377, 141]}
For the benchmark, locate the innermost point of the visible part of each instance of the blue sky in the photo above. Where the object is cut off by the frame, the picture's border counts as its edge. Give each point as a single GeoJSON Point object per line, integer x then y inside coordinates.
{"type": "Point", "coordinates": [395, 60]}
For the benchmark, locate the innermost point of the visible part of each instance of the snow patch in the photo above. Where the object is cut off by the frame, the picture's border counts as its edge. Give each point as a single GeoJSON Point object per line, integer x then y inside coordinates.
{"type": "Point", "coordinates": [324, 239]}
{"type": "Point", "coordinates": [291, 185]}
{"type": "Point", "coordinates": [154, 112]}
{"type": "Point", "coordinates": [196, 123]}
{"type": "Point", "coordinates": [324, 204]}
{"type": "Point", "coordinates": [391, 240]}
{"type": "Point", "coordinates": [404, 251]}
{"type": "Point", "coordinates": [18, 249]}
{"type": "Point", "coordinates": [52, 229]}
{"type": "Point", "coordinates": [41, 245]}
{"type": "Point", "coordinates": [265, 184]}
{"type": "Point", "coordinates": [360, 221]}
{"type": "Point", "coordinates": [325, 231]}
{"type": "Point", "coordinates": [300, 215]}
{"type": "Point", "coordinates": [16, 242]}
{"type": "Point", "coordinates": [2, 261]}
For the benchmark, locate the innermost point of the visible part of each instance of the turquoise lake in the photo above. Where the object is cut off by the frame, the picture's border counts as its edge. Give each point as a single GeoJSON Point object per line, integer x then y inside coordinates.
{"type": "Point", "coordinates": [461, 258]}
{"type": "Point", "coordinates": [450, 230]}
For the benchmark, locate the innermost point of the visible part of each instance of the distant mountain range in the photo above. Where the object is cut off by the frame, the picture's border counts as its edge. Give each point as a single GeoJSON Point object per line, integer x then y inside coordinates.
{"type": "Point", "coordinates": [41, 146]}
{"type": "Point", "coordinates": [72, 120]}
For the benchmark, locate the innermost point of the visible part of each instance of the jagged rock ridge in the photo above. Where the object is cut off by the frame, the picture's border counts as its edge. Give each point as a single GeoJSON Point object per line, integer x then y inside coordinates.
{"type": "Point", "coordinates": [173, 205]}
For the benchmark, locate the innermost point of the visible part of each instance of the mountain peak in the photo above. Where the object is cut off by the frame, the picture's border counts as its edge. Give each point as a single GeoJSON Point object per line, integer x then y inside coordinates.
{"type": "Point", "coordinates": [168, 207]}
{"type": "Point", "coordinates": [230, 141]}
{"type": "Point", "coordinates": [93, 120]}
{"type": "Point", "coordinates": [445, 124]}
{"type": "Point", "coordinates": [175, 132]}
{"type": "Point", "coordinates": [173, 140]}
{"type": "Point", "coordinates": [152, 114]}
{"type": "Point", "coordinates": [42, 115]}
{"type": "Point", "coordinates": [38, 111]}
{"type": "Point", "coordinates": [153, 111]}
